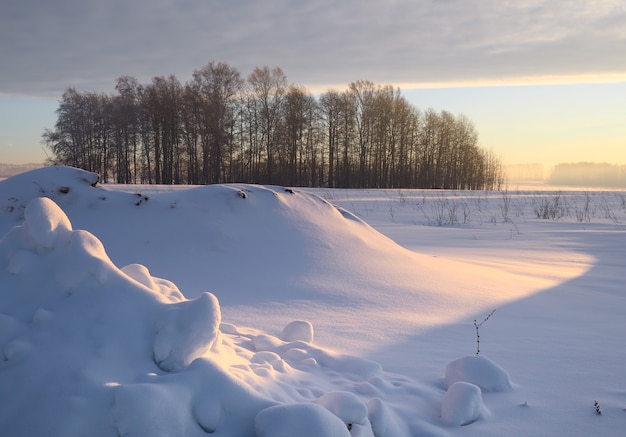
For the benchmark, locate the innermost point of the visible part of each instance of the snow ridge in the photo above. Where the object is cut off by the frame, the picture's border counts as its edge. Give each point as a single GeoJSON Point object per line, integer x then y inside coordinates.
{"type": "Point", "coordinates": [126, 354]}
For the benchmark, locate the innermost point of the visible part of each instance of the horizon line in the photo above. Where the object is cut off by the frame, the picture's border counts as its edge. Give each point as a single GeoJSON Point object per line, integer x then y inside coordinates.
{"type": "Point", "coordinates": [486, 82]}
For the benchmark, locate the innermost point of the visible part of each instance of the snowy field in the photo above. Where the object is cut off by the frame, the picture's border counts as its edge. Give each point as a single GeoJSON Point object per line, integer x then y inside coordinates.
{"type": "Point", "coordinates": [244, 310]}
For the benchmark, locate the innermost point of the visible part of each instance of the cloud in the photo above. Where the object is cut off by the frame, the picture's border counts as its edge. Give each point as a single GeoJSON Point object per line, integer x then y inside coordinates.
{"type": "Point", "coordinates": [46, 47]}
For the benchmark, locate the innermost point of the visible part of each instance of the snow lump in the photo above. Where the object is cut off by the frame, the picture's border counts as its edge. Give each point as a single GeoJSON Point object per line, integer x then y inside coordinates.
{"type": "Point", "coordinates": [300, 419]}
{"type": "Point", "coordinates": [478, 370]}
{"type": "Point", "coordinates": [45, 222]}
{"type": "Point", "coordinates": [298, 330]}
{"type": "Point", "coordinates": [462, 404]}
{"type": "Point", "coordinates": [187, 331]}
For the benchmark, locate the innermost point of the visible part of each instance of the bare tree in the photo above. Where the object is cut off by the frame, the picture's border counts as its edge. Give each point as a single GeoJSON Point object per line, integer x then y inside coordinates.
{"type": "Point", "coordinates": [125, 120]}
{"type": "Point", "coordinates": [268, 88]}
{"type": "Point", "coordinates": [80, 135]}
{"type": "Point", "coordinates": [217, 87]}
{"type": "Point", "coordinates": [330, 108]}
{"type": "Point", "coordinates": [299, 157]}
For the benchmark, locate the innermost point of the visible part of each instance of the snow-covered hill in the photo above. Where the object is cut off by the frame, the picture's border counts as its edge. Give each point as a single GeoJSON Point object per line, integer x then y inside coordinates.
{"type": "Point", "coordinates": [280, 313]}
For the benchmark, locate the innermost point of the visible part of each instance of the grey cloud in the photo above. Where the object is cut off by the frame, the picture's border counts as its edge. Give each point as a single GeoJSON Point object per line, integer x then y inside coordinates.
{"type": "Point", "coordinates": [48, 46]}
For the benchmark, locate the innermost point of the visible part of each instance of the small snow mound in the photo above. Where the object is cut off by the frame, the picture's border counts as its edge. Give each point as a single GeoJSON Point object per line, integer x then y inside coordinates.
{"type": "Point", "coordinates": [265, 342]}
{"type": "Point", "coordinates": [298, 330]}
{"type": "Point", "coordinates": [264, 357]}
{"type": "Point", "coordinates": [41, 316]}
{"type": "Point", "coordinates": [46, 223]}
{"type": "Point", "coordinates": [62, 184]}
{"type": "Point", "coordinates": [462, 404]}
{"type": "Point", "coordinates": [187, 331]}
{"type": "Point", "coordinates": [228, 328]}
{"type": "Point", "coordinates": [16, 349]}
{"type": "Point", "coordinates": [46, 238]}
{"type": "Point", "coordinates": [300, 419]}
{"type": "Point", "coordinates": [163, 287]}
{"type": "Point", "coordinates": [384, 420]}
{"type": "Point", "coordinates": [141, 274]}
{"type": "Point", "coordinates": [89, 260]}
{"type": "Point", "coordinates": [349, 408]}
{"type": "Point", "coordinates": [480, 371]}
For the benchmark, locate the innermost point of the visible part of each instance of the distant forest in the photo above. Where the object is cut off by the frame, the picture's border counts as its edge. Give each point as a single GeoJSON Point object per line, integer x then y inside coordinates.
{"type": "Point", "coordinates": [8, 170]}
{"type": "Point", "coordinates": [220, 128]}
{"type": "Point", "coordinates": [589, 174]}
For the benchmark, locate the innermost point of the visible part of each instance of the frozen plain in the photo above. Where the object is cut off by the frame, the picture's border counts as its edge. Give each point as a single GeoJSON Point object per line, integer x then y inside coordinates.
{"type": "Point", "coordinates": [388, 282]}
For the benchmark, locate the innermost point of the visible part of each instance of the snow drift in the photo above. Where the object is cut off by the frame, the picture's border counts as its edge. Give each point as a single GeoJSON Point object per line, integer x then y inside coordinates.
{"type": "Point", "coordinates": [265, 285]}
{"type": "Point", "coordinates": [258, 248]}
{"type": "Point", "coordinates": [90, 349]}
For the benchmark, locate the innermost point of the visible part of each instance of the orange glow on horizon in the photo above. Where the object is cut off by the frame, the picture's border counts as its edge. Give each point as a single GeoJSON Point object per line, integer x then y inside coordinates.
{"type": "Point", "coordinates": [599, 78]}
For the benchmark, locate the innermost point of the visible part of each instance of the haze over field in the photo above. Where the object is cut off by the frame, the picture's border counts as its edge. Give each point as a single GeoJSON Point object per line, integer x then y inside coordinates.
{"type": "Point", "coordinates": [543, 81]}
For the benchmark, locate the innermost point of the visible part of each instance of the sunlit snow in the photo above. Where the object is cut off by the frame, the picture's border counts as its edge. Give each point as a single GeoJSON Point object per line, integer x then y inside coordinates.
{"type": "Point", "coordinates": [246, 310]}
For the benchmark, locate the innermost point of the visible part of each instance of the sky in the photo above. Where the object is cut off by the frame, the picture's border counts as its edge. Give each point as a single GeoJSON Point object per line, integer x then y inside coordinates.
{"type": "Point", "coordinates": [542, 80]}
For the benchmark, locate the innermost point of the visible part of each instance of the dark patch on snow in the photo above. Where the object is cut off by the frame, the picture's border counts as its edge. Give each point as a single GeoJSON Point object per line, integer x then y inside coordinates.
{"type": "Point", "coordinates": [142, 199]}
{"type": "Point", "coordinates": [13, 201]}
{"type": "Point", "coordinates": [95, 178]}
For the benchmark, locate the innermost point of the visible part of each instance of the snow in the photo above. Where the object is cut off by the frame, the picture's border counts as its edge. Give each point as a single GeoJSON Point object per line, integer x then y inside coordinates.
{"type": "Point", "coordinates": [350, 409]}
{"type": "Point", "coordinates": [478, 370]}
{"type": "Point", "coordinates": [298, 330]}
{"type": "Point", "coordinates": [462, 404]}
{"type": "Point", "coordinates": [45, 222]}
{"type": "Point", "coordinates": [188, 331]}
{"type": "Point", "coordinates": [254, 310]}
{"type": "Point", "coordinates": [307, 420]}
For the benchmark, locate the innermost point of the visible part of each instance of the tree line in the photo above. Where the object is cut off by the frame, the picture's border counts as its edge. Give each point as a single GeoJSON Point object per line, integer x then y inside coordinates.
{"type": "Point", "coordinates": [220, 127]}
{"type": "Point", "coordinates": [589, 174]}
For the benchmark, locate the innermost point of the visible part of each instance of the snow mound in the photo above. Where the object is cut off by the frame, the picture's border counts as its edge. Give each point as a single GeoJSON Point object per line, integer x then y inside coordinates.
{"type": "Point", "coordinates": [478, 370]}
{"type": "Point", "coordinates": [262, 250]}
{"type": "Point", "coordinates": [303, 420]}
{"type": "Point", "coordinates": [141, 274]}
{"type": "Point", "coordinates": [59, 183]}
{"type": "Point", "coordinates": [298, 330]}
{"type": "Point", "coordinates": [46, 222]}
{"type": "Point", "coordinates": [385, 421]}
{"type": "Point", "coordinates": [349, 408]}
{"type": "Point", "coordinates": [188, 331]}
{"type": "Point", "coordinates": [462, 404]}
{"type": "Point", "coordinates": [126, 354]}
